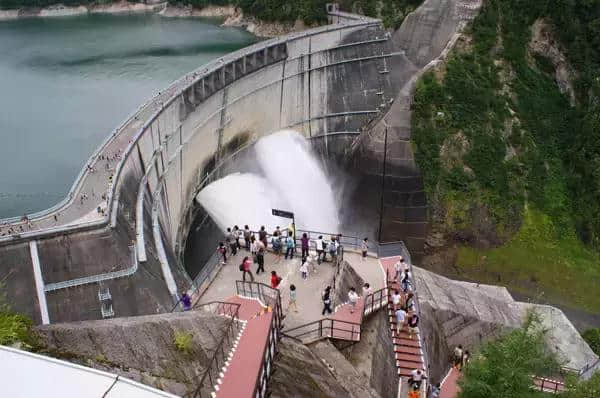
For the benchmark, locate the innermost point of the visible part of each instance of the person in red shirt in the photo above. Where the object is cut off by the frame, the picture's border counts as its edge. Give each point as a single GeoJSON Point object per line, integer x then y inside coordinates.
{"type": "Point", "coordinates": [245, 268]}
{"type": "Point", "coordinates": [275, 280]}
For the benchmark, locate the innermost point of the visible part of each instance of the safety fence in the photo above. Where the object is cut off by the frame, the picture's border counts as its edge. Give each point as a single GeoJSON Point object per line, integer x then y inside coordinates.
{"type": "Point", "coordinates": [325, 328]}
{"type": "Point", "coordinates": [375, 301]}
{"type": "Point", "coordinates": [217, 361]}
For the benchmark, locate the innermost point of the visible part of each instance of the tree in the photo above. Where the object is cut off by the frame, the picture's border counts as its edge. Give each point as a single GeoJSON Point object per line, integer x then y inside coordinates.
{"type": "Point", "coordinates": [583, 389]}
{"type": "Point", "coordinates": [503, 368]}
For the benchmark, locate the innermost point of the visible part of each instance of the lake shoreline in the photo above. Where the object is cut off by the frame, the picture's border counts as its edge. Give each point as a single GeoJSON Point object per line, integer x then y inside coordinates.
{"type": "Point", "coordinates": [231, 15]}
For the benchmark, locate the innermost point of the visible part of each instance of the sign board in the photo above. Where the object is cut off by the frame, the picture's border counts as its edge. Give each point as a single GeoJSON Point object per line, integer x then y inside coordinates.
{"type": "Point", "coordinates": [282, 213]}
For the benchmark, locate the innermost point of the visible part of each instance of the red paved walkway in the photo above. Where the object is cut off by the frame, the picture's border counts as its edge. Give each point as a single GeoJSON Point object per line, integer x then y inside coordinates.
{"type": "Point", "coordinates": [244, 368]}
{"type": "Point", "coordinates": [348, 331]}
{"type": "Point", "coordinates": [449, 385]}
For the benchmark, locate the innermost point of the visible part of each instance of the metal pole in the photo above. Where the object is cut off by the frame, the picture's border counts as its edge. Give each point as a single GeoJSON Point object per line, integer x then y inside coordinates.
{"type": "Point", "coordinates": [383, 182]}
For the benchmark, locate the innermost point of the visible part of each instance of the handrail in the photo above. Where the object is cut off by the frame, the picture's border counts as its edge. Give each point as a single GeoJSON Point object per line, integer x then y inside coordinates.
{"type": "Point", "coordinates": [322, 326]}
{"type": "Point", "coordinates": [228, 337]}
{"type": "Point", "coordinates": [383, 299]}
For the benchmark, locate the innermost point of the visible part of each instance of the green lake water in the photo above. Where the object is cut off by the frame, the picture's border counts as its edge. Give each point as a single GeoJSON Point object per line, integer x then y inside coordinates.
{"type": "Point", "coordinates": [66, 83]}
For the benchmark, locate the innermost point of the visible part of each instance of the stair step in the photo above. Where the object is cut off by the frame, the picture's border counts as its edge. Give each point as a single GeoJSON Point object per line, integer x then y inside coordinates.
{"type": "Point", "coordinates": [400, 349]}
{"type": "Point", "coordinates": [404, 335]}
{"type": "Point", "coordinates": [410, 366]}
{"type": "Point", "coordinates": [407, 342]}
{"type": "Point", "coordinates": [417, 359]}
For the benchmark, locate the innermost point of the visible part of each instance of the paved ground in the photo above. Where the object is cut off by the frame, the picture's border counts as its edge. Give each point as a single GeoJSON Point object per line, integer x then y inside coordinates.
{"type": "Point", "coordinates": [449, 385]}
{"type": "Point", "coordinates": [308, 291]}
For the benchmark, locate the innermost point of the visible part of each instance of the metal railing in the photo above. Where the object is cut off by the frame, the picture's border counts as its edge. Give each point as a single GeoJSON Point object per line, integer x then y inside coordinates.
{"type": "Point", "coordinates": [376, 300]}
{"type": "Point", "coordinates": [265, 294]}
{"type": "Point", "coordinates": [271, 298]}
{"type": "Point", "coordinates": [97, 278]}
{"type": "Point", "coordinates": [325, 328]}
{"type": "Point", "coordinates": [211, 374]}
{"type": "Point", "coordinates": [548, 385]}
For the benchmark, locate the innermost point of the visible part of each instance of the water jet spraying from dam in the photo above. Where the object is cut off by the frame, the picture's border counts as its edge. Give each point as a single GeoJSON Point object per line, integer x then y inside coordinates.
{"type": "Point", "coordinates": [289, 176]}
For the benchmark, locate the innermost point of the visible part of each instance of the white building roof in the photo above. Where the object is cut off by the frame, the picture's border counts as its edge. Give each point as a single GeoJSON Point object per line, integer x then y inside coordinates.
{"type": "Point", "coordinates": [24, 374]}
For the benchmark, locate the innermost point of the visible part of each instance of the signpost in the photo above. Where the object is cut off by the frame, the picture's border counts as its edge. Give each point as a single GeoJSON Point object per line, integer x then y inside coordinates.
{"type": "Point", "coordinates": [285, 214]}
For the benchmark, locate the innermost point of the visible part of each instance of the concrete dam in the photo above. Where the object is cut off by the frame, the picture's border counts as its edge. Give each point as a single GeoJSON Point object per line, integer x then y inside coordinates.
{"type": "Point", "coordinates": [115, 245]}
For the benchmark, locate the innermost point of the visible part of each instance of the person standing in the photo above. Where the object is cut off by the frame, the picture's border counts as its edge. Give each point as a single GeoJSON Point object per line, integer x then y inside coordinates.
{"type": "Point", "coordinates": [465, 359]}
{"type": "Point", "coordinates": [458, 356]}
{"type": "Point", "coordinates": [409, 304]}
{"type": "Point", "coordinates": [230, 239]}
{"type": "Point", "coordinates": [247, 234]}
{"type": "Point", "coordinates": [253, 247]}
{"type": "Point", "coordinates": [326, 297]}
{"type": "Point", "coordinates": [289, 244]}
{"type": "Point", "coordinates": [186, 300]}
{"type": "Point", "coordinates": [416, 378]}
{"type": "Point", "coordinates": [276, 244]}
{"type": "Point", "coordinates": [221, 249]}
{"type": "Point", "coordinates": [260, 256]}
{"type": "Point", "coordinates": [237, 234]}
{"type": "Point", "coordinates": [435, 391]}
{"type": "Point", "coordinates": [275, 279]}
{"type": "Point", "coordinates": [398, 267]}
{"type": "Point", "coordinates": [262, 235]}
{"type": "Point", "coordinates": [396, 299]}
{"type": "Point", "coordinates": [400, 319]}
{"type": "Point", "coordinates": [352, 298]}
{"type": "Point", "coordinates": [277, 231]}
{"type": "Point", "coordinates": [320, 246]}
{"type": "Point", "coordinates": [413, 323]}
{"type": "Point", "coordinates": [332, 249]}
{"type": "Point", "coordinates": [245, 268]}
{"type": "Point", "coordinates": [405, 281]}
{"type": "Point", "coordinates": [293, 298]}
{"type": "Point", "coordinates": [364, 246]}
{"type": "Point", "coordinates": [304, 242]}
{"type": "Point", "coordinates": [304, 268]}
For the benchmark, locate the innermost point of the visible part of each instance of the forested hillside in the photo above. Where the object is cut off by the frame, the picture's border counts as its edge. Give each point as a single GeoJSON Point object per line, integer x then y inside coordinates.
{"type": "Point", "coordinates": [507, 134]}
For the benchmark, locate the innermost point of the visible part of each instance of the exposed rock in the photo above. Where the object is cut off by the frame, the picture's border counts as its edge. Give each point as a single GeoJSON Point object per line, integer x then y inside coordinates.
{"type": "Point", "coordinates": [544, 44]}
{"type": "Point", "coordinates": [469, 313]}
{"type": "Point", "coordinates": [188, 11]}
{"type": "Point", "coordinates": [299, 373]}
{"type": "Point", "coordinates": [373, 356]}
{"type": "Point", "coordinates": [356, 383]}
{"type": "Point", "coordinates": [141, 348]}
{"type": "Point", "coordinates": [262, 28]}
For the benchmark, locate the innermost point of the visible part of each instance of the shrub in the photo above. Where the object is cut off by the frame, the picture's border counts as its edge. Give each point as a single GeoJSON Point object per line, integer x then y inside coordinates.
{"type": "Point", "coordinates": [184, 342]}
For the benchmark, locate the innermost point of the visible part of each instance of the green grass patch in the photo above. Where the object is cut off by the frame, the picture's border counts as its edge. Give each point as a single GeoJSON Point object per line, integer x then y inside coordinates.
{"type": "Point", "coordinates": [184, 342]}
{"type": "Point", "coordinates": [536, 261]}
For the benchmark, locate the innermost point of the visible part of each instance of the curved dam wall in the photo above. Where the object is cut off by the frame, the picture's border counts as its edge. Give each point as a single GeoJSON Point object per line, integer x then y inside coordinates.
{"type": "Point", "coordinates": [326, 83]}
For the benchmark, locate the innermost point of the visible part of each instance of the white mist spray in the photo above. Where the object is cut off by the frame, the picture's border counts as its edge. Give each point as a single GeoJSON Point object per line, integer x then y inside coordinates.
{"type": "Point", "coordinates": [291, 179]}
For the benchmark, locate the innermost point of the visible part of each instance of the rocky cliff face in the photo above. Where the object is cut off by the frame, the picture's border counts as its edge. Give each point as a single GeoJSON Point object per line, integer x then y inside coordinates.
{"type": "Point", "coordinates": [455, 312]}
{"type": "Point", "coordinates": [140, 348]}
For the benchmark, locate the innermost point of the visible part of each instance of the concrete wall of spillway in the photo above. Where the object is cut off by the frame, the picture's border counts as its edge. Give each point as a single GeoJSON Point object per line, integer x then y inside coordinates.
{"type": "Point", "coordinates": [326, 83]}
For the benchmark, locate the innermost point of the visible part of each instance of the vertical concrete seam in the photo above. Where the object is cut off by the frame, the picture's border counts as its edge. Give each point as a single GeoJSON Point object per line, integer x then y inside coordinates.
{"type": "Point", "coordinates": [39, 282]}
{"type": "Point", "coordinates": [309, 97]}
{"type": "Point", "coordinates": [281, 95]}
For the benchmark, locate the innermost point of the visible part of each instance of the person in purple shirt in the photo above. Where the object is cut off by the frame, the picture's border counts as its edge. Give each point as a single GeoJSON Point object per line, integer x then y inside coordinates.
{"type": "Point", "coordinates": [304, 242]}
{"type": "Point", "coordinates": [187, 301]}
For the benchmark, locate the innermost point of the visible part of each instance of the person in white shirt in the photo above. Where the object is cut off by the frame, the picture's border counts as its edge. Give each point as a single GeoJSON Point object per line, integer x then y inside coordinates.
{"type": "Point", "coordinates": [320, 248]}
{"type": "Point", "coordinates": [396, 299]}
{"type": "Point", "coordinates": [304, 268]}
{"type": "Point", "coordinates": [416, 378]}
{"type": "Point", "coordinates": [364, 246]}
{"type": "Point", "coordinates": [400, 319]}
{"type": "Point", "coordinates": [353, 298]}
{"type": "Point", "coordinates": [398, 268]}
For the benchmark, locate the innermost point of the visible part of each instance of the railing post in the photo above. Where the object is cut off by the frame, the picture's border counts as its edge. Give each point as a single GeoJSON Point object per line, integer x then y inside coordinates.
{"type": "Point", "coordinates": [320, 328]}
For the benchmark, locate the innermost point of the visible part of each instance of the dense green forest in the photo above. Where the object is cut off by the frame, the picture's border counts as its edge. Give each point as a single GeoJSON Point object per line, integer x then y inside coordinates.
{"type": "Point", "coordinates": [508, 162]}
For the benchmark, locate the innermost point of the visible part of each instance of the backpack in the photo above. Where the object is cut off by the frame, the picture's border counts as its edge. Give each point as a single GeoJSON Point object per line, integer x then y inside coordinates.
{"type": "Point", "coordinates": [332, 247]}
{"type": "Point", "coordinates": [242, 267]}
{"type": "Point", "coordinates": [323, 244]}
